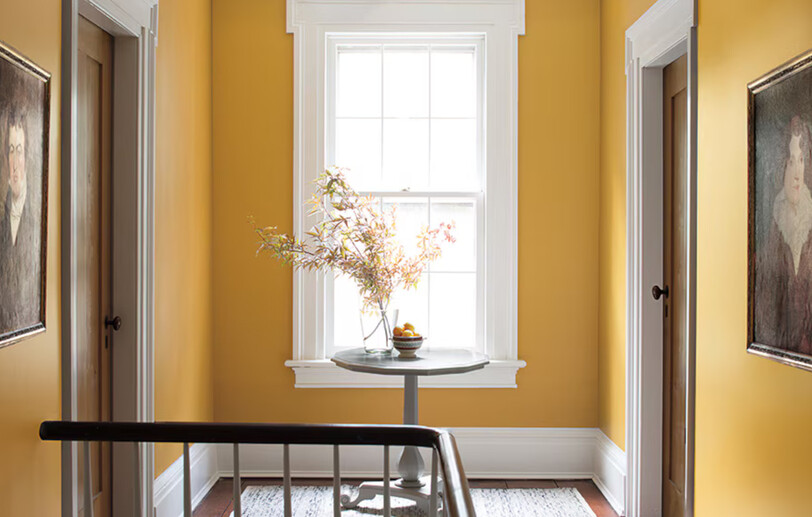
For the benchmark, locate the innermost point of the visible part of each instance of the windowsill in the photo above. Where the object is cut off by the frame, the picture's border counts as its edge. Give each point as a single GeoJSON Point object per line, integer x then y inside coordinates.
{"type": "Point", "coordinates": [323, 373]}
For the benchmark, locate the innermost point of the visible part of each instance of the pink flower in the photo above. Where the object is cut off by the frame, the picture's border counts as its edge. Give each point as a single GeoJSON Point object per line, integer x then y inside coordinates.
{"type": "Point", "coordinates": [356, 239]}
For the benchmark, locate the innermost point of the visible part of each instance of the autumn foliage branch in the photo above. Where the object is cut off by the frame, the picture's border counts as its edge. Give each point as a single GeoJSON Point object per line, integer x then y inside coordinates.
{"type": "Point", "coordinates": [354, 237]}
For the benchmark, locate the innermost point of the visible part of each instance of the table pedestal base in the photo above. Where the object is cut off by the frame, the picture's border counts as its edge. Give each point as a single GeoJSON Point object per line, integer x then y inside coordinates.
{"type": "Point", "coordinates": [411, 468]}
{"type": "Point", "coordinates": [421, 495]}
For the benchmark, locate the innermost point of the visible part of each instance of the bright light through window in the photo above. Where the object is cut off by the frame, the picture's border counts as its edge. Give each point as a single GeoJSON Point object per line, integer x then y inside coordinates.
{"type": "Point", "coordinates": [405, 117]}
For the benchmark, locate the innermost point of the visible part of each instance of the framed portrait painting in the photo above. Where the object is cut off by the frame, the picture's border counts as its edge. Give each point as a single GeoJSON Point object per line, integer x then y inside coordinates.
{"type": "Point", "coordinates": [780, 214]}
{"type": "Point", "coordinates": [24, 138]}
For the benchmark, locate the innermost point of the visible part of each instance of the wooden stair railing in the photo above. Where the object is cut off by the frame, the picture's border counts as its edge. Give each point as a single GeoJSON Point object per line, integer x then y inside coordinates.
{"type": "Point", "coordinates": [446, 460]}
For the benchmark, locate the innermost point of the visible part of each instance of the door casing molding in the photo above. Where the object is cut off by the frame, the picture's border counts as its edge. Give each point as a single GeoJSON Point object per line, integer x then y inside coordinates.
{"type": "Point", "coordinates": [664, 33]}
{"type": "Point", "coordinates": [133, 25]}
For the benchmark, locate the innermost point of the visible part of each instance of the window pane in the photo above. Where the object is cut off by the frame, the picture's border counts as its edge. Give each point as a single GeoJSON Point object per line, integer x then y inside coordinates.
{"type": "Point", "coordinates": [411, 216]}
{"type": "Point", "coordinates": [459, 255]}
{"type": "Point", "coordinates": [346, 313]}
{"type": "Point", "coordinates": [358, 148]}
{"type": "Point", "coordinates": [358, 89]}
{"type": "Point", "coordinates": [453, 310]}
{"type": "Point", "coordinates": [453, 155]}
{"type": "Point", "coordinates": [406, 82]}
{"type": "Point", "coordinates": [406, 118]}
{"type": "Point", "coordinates": [453, 83]}
{"type": "Point", "coordinates": [413, 306]}
{"type": "Point", "coordinates": [405, 154]}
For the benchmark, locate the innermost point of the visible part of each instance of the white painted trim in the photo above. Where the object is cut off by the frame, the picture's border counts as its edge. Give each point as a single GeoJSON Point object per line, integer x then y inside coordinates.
{"type": "Point", "coordinates": [487, 453]}
{"type": "Point", "coordinates": [476, 44]}
{"type": "Point", "coordinates": [610, 472]}
{"type": "Point", "coordinates": [527, 453]}
{"type": "Point", "coordinates": [501, 22]}
{"type": "Point", "coordinates": [325, 374]}
{"type": "Point", "coordinates": [665, 25]}
{"type": "Point", "coordinates": [509, 13]}
{"type": "Point", "coordinates": [68, 331]}
{"type": "Point", "coordinates": [133, 24]}
{"type": "Point", "coordinates": [664, 33]}
{"type": "Point", "coordinates": [129, 15]}
{"type": "Point", "coordinates": [168, 487]}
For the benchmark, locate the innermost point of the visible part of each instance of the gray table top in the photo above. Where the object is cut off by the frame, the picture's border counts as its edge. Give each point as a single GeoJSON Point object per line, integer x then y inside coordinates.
{"type": "Point", "coordinates": [428, 362]}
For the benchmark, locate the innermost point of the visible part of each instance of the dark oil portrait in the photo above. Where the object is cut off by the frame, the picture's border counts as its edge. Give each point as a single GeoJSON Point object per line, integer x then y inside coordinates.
{"type": "Point", "coordinates": [24, 131]}
{"type": "Point", "coordinates": [780, 240]}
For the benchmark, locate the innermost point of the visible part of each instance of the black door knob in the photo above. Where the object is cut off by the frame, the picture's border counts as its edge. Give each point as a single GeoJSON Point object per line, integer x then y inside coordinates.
{"type": "Point", "coordinates": [115, 322]}
{"type": "Point", "coordinates": [656, 292]}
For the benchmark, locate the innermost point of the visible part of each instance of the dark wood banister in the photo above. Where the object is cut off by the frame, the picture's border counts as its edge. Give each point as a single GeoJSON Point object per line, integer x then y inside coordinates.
{"type": "Point", "coordinates": [457, 495]}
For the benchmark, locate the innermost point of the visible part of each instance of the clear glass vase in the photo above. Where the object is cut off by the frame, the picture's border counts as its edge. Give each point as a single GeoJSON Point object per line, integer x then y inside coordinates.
{"type": "Point", "coordinates": [376, 329]}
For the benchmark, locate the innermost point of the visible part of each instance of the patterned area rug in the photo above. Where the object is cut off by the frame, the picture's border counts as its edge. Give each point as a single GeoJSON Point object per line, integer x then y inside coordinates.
{"type": "Point", "coordinates": [266, 501]}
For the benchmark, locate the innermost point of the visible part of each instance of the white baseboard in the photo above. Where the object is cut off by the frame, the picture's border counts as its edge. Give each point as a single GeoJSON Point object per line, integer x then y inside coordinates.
{"type": "Point", "coordinates": [502, 453]}
{"type": "Point", "coordinates": [168, 487]}
{"type": "Point", "coordinates": [495, 453]}
{"type": "Point", "coordinates": [610, 471]}
{"type": "Point", "coordinates": [526, 453]}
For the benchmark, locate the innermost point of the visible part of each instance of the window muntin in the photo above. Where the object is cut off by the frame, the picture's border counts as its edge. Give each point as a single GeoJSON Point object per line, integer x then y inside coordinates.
{"type": "Point", "coordinates": [388, 95]}
{"type": "Point", "coordinates": [405, 116]}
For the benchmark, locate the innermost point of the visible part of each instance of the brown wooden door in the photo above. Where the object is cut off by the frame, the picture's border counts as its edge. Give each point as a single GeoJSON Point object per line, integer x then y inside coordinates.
{"type": "Point", "coordinates": [675, 124]}
{"type": "Point", "coordinates": [93, 195]}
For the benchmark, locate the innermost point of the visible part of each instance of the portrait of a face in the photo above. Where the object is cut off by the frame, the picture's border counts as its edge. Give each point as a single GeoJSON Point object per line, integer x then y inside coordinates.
{"type": "Point", "coordinates": [24, 135]}
{"type": "Point", "coordinates": [16, 159]}
{"type": "Point", "coordinates": [780, 258]}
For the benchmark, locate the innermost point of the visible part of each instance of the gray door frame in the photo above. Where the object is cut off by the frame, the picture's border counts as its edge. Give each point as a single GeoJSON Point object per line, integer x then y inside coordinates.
{"type": "Point", "coordinates": [133, 25]}
{"type": "Point", "coordinates": [664, 33]}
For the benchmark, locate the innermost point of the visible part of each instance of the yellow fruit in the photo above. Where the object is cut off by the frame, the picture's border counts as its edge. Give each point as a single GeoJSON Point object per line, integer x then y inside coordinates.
{"type": "Point", "coordinates": [408, 333]}
{"type": "Point", "coordinates": [416, 334]}
{"type": "Point", "coordinates": [408, 326]}
{"type": "Point", "coordinates": [398, 331]}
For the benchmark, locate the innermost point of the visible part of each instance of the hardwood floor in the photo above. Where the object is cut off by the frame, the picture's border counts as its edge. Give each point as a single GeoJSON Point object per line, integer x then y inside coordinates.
{"type": "Point", "coordinates": [218, 502]}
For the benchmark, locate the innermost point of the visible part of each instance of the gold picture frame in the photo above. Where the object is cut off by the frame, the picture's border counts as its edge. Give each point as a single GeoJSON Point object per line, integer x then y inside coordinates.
{"type": "Point", "coordinates": [779, 274]}
{"type": "Point", "coordinates": [25, 106]}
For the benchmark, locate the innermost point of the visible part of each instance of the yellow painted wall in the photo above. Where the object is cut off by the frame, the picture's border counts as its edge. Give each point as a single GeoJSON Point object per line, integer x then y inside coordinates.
{"type": "Point", "coordinates": [616, 17]}
{"type": "Point", "coordinates": [754, 416]}
{"type": "Point", "coordinates": [183, 294]}
{"type": "Point", "coordinates": [558, 230]}
{"type": "Point", "coordinates": [29, 370]}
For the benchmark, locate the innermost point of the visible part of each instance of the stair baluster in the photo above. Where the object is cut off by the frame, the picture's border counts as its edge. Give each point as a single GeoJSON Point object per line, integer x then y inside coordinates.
{"type": "Point", "coordinates": [336, 483]}
{"type": "Point", "coordinates": [387, 503]}
{"type": "Point", "coordinates": [88, 486]}
{"type": "Point", "coordinates": [237, 483]}
{"type": "Point", "coordinates": [286, 479]}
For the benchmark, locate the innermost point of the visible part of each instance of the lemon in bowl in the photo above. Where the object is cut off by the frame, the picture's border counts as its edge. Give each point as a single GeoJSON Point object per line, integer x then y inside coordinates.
{"type": "Point", "coordinates": [407, 341]}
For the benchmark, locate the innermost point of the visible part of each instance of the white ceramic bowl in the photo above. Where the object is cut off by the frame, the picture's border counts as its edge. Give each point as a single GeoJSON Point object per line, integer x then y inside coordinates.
{"type": "Point", "coordinates": [407, 347]}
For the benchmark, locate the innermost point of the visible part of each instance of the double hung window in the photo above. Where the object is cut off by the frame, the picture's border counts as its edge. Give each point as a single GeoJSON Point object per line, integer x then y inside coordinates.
{"type": "Point", "coordinates": [418, 101]}
{"type": "Point", "coordinates": [404, 117]}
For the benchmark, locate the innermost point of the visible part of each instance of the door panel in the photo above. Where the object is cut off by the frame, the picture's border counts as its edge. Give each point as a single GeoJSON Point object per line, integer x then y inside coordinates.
{"type": "Point", "coordinates": [94, 131]}
{"type": "Point", "coordinates": [675, 339]}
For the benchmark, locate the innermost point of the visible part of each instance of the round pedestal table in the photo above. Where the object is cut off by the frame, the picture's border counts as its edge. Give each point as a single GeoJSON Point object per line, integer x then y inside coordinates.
{"type": "Point", "coordinates": [441, 361]}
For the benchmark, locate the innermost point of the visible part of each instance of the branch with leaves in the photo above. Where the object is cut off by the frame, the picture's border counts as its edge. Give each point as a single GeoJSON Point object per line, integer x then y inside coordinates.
{"type": "Point", "coordinates": [355, 238]}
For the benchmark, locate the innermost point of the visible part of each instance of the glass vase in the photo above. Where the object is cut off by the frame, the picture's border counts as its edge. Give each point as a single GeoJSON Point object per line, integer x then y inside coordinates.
{"type": "Point", "coordinates": [376, 329]}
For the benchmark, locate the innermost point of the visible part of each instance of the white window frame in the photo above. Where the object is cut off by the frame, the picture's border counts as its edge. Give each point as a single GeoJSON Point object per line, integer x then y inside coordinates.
{"type": "Point", "coordinates": [500, 22]}
{"type": "Point", "coordinates": [477, 42]}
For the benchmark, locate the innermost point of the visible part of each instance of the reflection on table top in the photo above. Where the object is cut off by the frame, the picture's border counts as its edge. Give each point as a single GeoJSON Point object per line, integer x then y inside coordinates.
{"type": "Point", "coordinates": [428, 362]}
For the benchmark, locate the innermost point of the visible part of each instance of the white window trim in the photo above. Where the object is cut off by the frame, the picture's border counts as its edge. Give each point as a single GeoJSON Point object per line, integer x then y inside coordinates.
{"type": "Point", "coordinates": [425, 40]}
{"type": "Point", "coordinates": [501, 22]}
